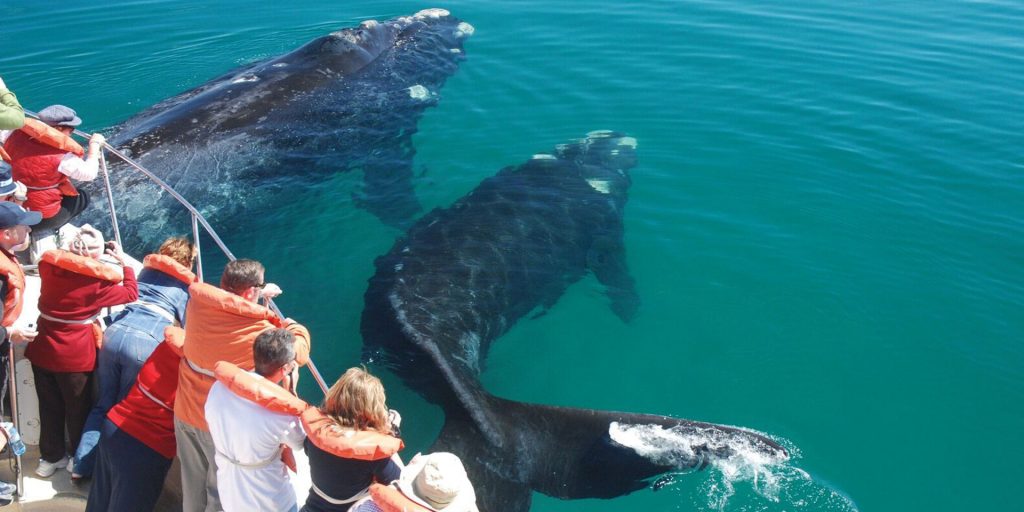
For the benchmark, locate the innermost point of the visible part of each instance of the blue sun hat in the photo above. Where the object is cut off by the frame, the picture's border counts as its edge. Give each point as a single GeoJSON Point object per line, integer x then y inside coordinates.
{"type": "Point", "coordinates": [7, 186]}
{"type": "Point", "coordinates": [13, 215]}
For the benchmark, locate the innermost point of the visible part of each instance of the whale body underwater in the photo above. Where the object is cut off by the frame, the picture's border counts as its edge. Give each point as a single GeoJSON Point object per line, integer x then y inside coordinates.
{"type": "Point", "coordinates": [347, 101]}
{"type": "Point", "coordinates": [462, 276]}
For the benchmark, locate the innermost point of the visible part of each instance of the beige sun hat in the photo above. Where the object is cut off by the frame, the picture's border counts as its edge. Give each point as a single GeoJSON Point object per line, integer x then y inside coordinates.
{"type": "Point", "coordinates": [88, 242]}
{"type": "Point", "coordinates": [439, 482]}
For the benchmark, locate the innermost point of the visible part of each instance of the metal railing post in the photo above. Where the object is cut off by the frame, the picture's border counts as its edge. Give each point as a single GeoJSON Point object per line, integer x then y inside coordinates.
{"type": "Point", "coordinates": [199, 251]}
{"type": "Point", "coordinates": [110, 198]}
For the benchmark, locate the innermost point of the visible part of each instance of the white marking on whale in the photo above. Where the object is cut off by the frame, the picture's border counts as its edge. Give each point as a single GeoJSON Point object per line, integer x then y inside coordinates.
{"type": "Point", "coordinates": [431, 13]}
{"type": "Point", "coordinates": [419, 92]}
{"type": "Point", "coordinates": [601, 186]}
{"type": "Point", "coordinates": [680, 447]}
{"type": "Point", "coordinates": [464, 29]}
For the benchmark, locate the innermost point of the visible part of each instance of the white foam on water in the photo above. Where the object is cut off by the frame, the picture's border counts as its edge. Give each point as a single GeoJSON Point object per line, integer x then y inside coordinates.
{"type": "Point", "coordinates": [431, 13]}
{"type": "Point", "coordinates": [601, 186]}
{"type": "Point", "coordinates": [419, 92]}
{"type": "Point", "coordinates": [543, 156]}
{"type": "Point", "coordinates": [770, 477]}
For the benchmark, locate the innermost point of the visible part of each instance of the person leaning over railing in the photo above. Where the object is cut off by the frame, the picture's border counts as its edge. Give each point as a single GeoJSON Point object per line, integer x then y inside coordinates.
{"type": "Point", "coordinates": [12, 116]}
{"type": "Point", "coordinates": [133, 334]}
{"type": "Point", "coordinates": [222, 324]}
{"type": "Point", "coordinates": [249, 437]}
{"type": "Point", "coordinates": [74, 288]}
{"type": "Point", "coordinates": [46, 160]}
{"type": "Point", "coordinates": [353, 417]}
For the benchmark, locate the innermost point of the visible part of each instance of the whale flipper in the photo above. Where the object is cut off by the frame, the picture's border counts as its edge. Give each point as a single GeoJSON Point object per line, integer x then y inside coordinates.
{"type": "Point", "coordinates": [607, 260]}
{"type": "Point", "coordinates": [582, 453]}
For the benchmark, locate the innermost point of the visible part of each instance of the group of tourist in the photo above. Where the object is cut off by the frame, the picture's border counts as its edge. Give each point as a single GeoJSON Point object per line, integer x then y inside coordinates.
{"type": "Point", "coordinates": [185, 369]}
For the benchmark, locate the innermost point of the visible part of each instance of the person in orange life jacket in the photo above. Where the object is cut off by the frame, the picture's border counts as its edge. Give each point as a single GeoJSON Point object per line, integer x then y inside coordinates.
{"type": "Point", "coordinates": [15, 225]}
{"type": "Point", "coordinates": [138, 436]}
{"type": "Point", "coordinates": [47, 171]}
{"type": "Point", "coordinates": [74, 288]}
{"type": "Point", "coordinates": [248, 437]}
{"type": "Point", "coordinates": [355, 402]}
{"type": "Point", "coordinates": [134, 332]}
{"type": "Point", "coordinates": [436, 482]}
{"type": "Point", "coordinates": [222, 325]}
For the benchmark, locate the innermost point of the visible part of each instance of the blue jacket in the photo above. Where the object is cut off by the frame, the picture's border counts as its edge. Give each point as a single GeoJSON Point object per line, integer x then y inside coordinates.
{"type": "Point", "coordinates": [158, 289]}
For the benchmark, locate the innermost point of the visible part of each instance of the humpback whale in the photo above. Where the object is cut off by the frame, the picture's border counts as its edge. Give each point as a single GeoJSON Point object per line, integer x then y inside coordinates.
{"type": "Point", "coordinates": [462, 276]}
{"type": "Point", "coordinates": [349, 100]}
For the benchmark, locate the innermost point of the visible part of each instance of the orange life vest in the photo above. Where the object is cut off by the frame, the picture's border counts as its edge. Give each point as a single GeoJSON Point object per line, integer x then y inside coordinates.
{"type": "Point", "coordinates": [84, 265]}
{"type": "Point", "coordinates": [221, 326]}
{"type": "Point", "coordinates": [169, 266]}
{"type": "Point", "coordinates": [390, 499]}
{"type": "Point", "coordinates": [51, 136]}
{"type": "Point", "coordinates": [10, 269]}
{"type": "Point", "coordinates": [262, 392]}
{"type": "Point", "coordinates": [347, 443]}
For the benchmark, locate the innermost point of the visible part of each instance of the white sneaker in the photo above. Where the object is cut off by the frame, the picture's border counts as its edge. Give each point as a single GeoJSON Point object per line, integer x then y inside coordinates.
{"type": "Point", "coordinates": [47, 469]}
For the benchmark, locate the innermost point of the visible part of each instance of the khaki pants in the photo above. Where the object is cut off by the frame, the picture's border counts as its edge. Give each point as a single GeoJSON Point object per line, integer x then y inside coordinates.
{"type": "Point", "coordinates": [196, 455]}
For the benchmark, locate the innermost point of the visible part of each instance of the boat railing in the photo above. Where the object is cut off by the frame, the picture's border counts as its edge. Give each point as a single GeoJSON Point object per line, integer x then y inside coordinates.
{"type": "Point", "coordinates": [197, 220]}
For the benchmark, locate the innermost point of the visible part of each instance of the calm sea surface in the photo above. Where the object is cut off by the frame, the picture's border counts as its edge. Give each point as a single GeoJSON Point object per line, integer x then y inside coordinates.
{"type": "Point", "coordinates": [825, 223]}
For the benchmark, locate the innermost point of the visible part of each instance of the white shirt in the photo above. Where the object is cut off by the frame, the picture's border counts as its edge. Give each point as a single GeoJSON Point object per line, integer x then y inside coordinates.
{"type": "Point", "coordinates": [250, 434]}
{"type": "Point", "coordinates": [79, 169]}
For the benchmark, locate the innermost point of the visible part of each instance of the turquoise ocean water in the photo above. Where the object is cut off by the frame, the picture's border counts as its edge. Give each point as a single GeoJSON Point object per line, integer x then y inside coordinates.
{"type": "Point", "coordinates": [825, 223]}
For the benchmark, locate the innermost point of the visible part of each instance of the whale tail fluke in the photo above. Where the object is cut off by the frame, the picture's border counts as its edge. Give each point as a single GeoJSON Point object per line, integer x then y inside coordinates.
{"type": "Point", "coordinates": [584, 453]}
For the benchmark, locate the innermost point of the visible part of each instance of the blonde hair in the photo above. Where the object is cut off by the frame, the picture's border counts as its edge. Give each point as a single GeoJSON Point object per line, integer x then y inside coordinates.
{"type": "Point", "coordinates": [180, 250]}
{"type": "Point", "coordinates": [356, 401]}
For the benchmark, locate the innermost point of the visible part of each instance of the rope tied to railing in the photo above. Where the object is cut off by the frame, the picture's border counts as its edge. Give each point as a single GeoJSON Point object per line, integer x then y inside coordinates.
{"type": "Point", "coordinates": [197, 219]}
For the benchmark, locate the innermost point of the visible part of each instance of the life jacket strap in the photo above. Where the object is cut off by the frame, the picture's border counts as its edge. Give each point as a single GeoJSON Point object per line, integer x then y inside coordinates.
{"type": "Point", "coordinates": [253, 465]}
{"type": "Point", "coordinates": [150, 396]}
{"type": "Point", "coordinates": [85, 321]}
{"type": "Point", "coordinates": [199, 369]}
{"type": "Point", "coordinates": [334, 501]}
{"type": "Point", "coordinates": [155, 308]}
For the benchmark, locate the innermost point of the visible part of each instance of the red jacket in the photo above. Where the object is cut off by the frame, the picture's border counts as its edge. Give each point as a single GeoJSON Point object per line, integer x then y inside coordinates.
{"type": "Point", "coordinates": [35, 165]}
{"type": "Point", "coordinates": [70, 295]}
{"type": "Point", "coordinates": [150, 419]}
